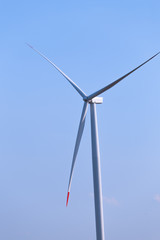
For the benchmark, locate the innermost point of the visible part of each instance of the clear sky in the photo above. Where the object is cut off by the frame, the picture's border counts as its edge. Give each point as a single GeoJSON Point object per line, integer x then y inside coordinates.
{"type": "Point", "coordinates": [93, 42]}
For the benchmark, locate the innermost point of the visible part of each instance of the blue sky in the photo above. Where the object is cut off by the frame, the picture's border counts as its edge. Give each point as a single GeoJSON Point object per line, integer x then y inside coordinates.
{"type": "Point", "coordinates": [93, 42]}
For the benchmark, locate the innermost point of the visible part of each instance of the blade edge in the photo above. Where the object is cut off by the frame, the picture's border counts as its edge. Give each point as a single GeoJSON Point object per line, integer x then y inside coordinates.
{"type": "Point", "coordinates": [118, 80]}
{"type": "Point", "coordinates": [77, 144]}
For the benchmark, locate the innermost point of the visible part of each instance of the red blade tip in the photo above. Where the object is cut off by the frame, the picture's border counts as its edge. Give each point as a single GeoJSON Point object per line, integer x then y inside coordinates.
{"type": "Point", "coordinates": [67, 199]}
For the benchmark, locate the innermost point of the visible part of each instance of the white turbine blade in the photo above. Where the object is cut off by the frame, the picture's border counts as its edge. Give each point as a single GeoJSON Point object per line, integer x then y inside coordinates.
{"type": "Point", "coordinates": [78, 140]}
{"type": "Point", "coordinates": [118, 80]}
{"type": "Point", "coordinates": [71, 82]}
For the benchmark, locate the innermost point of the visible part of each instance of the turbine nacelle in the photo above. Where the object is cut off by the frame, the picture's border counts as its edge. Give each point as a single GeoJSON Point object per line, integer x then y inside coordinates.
{"type": "Point", "coordinates": [97, 100]}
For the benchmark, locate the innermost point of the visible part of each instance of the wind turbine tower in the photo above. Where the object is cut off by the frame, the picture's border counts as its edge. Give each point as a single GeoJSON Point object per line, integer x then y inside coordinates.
{"type": "Point", "coordinates": [92, 100]}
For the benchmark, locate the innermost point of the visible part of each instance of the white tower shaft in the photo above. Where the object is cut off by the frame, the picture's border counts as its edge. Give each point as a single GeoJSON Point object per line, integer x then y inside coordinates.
{"type": "Point", "coordinates": [98, 201]}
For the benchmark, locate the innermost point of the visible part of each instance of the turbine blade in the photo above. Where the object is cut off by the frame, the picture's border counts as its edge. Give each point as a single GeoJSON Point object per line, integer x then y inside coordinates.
{"type": "Point", "coordinates": [118, 80]}
{"type": "Point", "coordinates": [78, 140]}
{"type": "Point", "coordinates": [71, 82]}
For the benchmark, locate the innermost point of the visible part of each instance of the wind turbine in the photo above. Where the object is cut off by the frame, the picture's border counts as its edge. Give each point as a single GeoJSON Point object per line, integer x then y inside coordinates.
{"type": "Point", "coordinates": [92, 100]}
